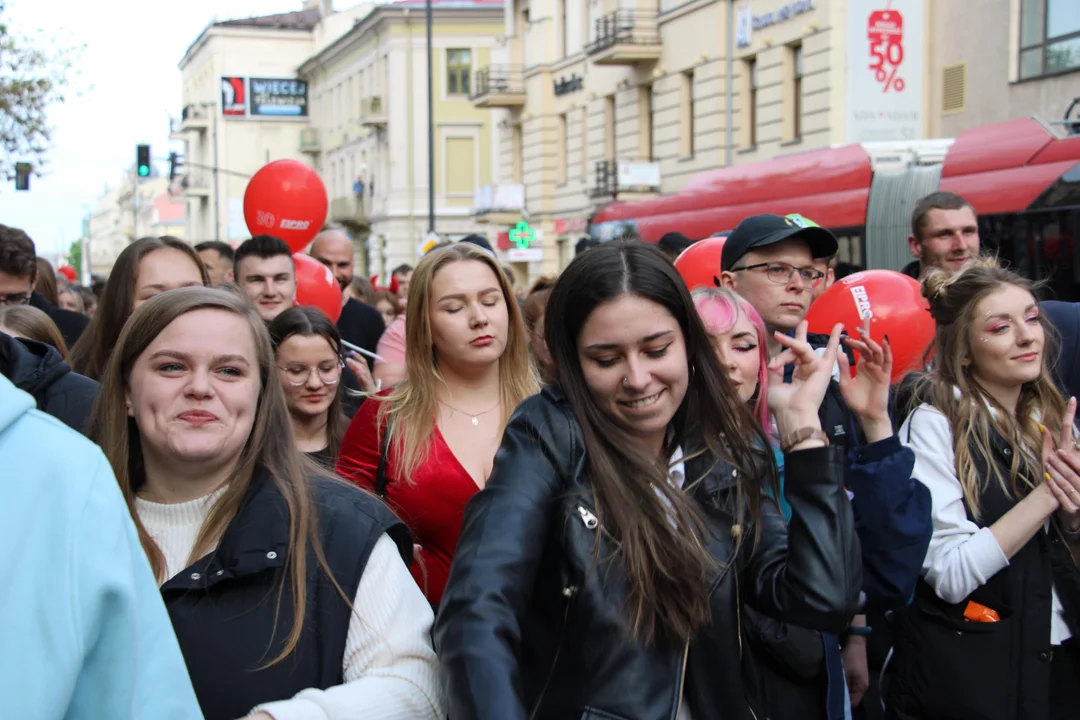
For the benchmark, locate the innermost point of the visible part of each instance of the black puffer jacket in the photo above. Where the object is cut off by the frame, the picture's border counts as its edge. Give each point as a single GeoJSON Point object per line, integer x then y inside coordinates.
{"type": "Point", "coordinates": [38, 369]}
{"type": "Point", "coordinates": [531, 626]}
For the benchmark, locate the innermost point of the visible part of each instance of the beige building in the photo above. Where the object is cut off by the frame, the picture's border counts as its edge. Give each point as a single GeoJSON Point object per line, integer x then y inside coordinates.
{"type": "Point", "coordinates": [114, 222]}
{"type": "Point", "coordinates": [368, 137]}
{"type": "Point", "coordinates": [243, 106]}
{"type": "Point", "coordinates": [1015, 58]}
{"type": "Point", "coordinates": [607, 100]}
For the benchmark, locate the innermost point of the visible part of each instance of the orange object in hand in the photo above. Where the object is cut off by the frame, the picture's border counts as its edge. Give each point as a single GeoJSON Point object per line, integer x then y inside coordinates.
{"type": "Point", "coordinates": [980, 613]}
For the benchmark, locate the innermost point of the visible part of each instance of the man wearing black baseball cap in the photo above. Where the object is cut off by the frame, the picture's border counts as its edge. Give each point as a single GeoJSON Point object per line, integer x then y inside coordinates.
{"type": "Point", "coordinates": [769, 260]}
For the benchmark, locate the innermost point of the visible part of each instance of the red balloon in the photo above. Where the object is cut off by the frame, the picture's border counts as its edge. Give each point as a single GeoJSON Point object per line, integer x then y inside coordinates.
{"type": "Point", "coordinates": [895, 305]}
{"type": "Point", "coordinates": [316, 286]}
{"type": "Point", "coordinates": [699, 264]}
{"type": "Point", "coordinates": [286, 199]}
{"type": "Point", "coordinates": [68, 272]}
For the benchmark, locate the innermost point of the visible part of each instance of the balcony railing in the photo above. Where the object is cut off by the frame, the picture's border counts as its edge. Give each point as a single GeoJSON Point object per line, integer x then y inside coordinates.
{"type": "Point", "coordinates": [350, 211]}
{"type": "Point", "coordinates": [499, 86]}
{"type": "Point", "coordinates": [373, 111]}
{"type": "Point", "coordinates": [625, 37]}
{"type": "Point", "coordinates": [310, 141]}
{"type": "Point", "coordinates": [194, 186]}
{"type": "Point", "coordinates": [613, 177]}
{"type": "Point", "coordinates": [194, 117]}
{"type": "Point", "coordinates": [606, 179]}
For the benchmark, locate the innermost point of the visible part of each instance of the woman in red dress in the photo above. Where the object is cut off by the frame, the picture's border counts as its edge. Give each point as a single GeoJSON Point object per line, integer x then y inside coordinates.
{"type": "Point", "coordinates": [468, 368]}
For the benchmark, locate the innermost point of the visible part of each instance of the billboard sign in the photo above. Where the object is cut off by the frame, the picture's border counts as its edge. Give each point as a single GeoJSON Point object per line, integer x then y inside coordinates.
{"type": "Point", "coordinates": [271, 98]}
{"type": "Point", "coordinates": [277, 97]}
{"type": "Point", "coordinates": [233, 97]}
{"type": "Point", "coordinates": [885, 70]}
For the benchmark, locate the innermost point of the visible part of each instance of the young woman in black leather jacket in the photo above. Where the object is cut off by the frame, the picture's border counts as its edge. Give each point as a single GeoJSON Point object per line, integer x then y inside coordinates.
{"type": "Point", "coordinates": [601, 571]}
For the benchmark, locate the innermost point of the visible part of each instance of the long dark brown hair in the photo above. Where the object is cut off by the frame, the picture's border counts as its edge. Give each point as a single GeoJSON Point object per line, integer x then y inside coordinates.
{"type": "Point", "coordinates": [91, 353]}
{"type": "Point", "coordinates": [45, 282]}
{"type": "Point", "coordinates": [972, 412]}
{"type": "Point", "coordinates": [666, 563]}
{"type": "Point", "coordinates": [309, 322]}
{"type": "Point", "coordinates": [270, 447]}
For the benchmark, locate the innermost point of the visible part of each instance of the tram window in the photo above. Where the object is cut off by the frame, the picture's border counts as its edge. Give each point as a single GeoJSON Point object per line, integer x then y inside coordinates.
{"type": "Point", "coordinates": [1040, 246]}
{"type": "Point", "coordinates": [849, 248]}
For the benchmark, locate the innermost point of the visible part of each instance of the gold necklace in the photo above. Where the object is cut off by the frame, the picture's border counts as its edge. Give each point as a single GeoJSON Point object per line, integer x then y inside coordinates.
{"type": "Point", "coordinates": [476, 417]}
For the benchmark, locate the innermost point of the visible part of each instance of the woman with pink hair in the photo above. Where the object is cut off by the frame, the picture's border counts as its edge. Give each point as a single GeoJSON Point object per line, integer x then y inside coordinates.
{"type": "Point", "coordinates": [738, 334]}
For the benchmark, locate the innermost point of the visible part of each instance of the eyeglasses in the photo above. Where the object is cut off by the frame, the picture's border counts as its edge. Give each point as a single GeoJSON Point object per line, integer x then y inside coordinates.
{"type": "Point", "coordinates": [298, 374]}
{"type": "Point", "coordinates": [781, 272]}
{"type": "Point", "coordinates": [20, 299]}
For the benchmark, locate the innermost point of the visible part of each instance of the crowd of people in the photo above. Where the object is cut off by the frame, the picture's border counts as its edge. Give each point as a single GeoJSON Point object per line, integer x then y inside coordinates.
{"type": "Point", "coordinates": [604, 496]}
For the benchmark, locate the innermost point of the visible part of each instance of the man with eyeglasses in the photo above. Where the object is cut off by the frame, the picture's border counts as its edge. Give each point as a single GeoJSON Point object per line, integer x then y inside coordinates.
{"type": "Point", "coordinates": [18, 278]}
{"type": "Point", "coordinates": [769, 260]}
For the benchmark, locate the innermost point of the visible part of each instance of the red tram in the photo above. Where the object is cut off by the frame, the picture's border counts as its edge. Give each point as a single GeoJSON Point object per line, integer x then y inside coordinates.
{"type": "Point", "coordinates": [1021, 176]}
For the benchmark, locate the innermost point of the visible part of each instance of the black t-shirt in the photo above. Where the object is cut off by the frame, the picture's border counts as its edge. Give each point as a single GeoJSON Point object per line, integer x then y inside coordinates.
{"type": "Point", "coordinates": [70, 323]}
{"type": "Point", "coordinates": [361, 325]}
{"type": "Point", "coordinates": [325, 458]}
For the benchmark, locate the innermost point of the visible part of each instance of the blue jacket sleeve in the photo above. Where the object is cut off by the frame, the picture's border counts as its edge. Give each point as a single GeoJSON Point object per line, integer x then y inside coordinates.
{"type": "Point", "coordinates": [892, 517]}
{"type": "Point", "coordinates": [132, 666]}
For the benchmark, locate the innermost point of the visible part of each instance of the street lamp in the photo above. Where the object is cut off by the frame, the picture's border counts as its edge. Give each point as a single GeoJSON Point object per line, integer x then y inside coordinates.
{"type": "Point", "coordinates": [430, 126]}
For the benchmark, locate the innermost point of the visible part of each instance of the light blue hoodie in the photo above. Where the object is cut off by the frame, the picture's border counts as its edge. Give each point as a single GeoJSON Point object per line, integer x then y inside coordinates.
{"type": "Point", "coordinates": [84, 634]}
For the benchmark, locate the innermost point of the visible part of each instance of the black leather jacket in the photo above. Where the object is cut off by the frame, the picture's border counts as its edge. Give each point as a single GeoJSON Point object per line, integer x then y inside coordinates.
{"type": "Point", "coordinates": [531, 626]}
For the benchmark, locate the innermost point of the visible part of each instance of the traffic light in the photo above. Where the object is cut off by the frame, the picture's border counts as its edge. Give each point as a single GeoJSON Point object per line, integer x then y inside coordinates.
{"type": "Point", "coordinates": [174, 164]}
{"type": "Point", "coordinates": [142, 160]}
{"type": "Point", "coordinates": [22, 175]}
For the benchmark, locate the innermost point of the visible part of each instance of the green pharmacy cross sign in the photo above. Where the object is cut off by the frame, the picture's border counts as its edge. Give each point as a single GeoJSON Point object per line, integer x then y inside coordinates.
{"type": "Point", "coordinates": [522, 235]}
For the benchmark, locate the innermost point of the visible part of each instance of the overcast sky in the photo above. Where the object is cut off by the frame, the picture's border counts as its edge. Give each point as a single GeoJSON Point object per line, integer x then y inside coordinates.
{"type": "Point", "coordinates": [130, 84]}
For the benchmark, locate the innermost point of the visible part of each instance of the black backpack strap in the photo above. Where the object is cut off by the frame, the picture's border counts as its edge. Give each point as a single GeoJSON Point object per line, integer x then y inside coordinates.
{"type": "Point", "coordinates": [380, 474]}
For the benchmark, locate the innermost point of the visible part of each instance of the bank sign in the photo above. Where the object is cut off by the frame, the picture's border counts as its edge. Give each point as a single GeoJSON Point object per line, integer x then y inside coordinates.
{"type": "Point", "coordinates": [884, 70]}
{"type": "Point", "coordinates": [263, 97]}
{"type": "Point", "coordinates": [746, 22]}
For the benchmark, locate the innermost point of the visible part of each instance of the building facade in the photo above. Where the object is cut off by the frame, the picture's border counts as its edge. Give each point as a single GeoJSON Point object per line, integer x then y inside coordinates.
{"type": "Point", "coordinates": [1015, 59]}
{"type": "Point", "coordinates": [369, 125]}
{"type": "Point", "coordinates": [243, 106]}
{"type": "Point", "coordinates": [622, 100]}
{"type": "Point", "coordinates": [115, 221]}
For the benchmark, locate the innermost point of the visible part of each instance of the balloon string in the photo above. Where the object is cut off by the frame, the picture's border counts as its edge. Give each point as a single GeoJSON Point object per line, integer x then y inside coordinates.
{"type": "Point", "coordinates": [362, 351]}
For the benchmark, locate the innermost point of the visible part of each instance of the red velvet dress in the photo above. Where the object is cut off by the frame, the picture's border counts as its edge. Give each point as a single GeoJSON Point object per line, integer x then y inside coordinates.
{"type": "Point", "coordinates": [431, 505]}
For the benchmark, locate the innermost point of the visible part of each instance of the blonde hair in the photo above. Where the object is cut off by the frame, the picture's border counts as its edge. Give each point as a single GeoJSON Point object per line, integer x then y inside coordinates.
{"type": "Point", "coordinates": [270, 447]}
{"type": "Point", "coordinates": [972, 412]}
{"type": "Point", "coordinates": [408, 413]}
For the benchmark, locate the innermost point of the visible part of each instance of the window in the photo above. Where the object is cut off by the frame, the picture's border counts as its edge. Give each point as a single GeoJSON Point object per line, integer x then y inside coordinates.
{"type": "Point", "coordinates": [645, 120]}
{"type": "Point", "coordinates": [796, 91]}
{"type": "Point", "coordinates": [564, 148]}
{"type": "Point", "coordinates": [460, 166]}
{"type": "Point", "coordinates": [686, 119]}
{"type": "Point", "coordinates": [518, 149]}
{"type": "Point", "coordinates": [609, 127]}
{"type": "Point", "coordinates": [564, 26]}
{"type": "Point", "coordinates": [584, 143]}
{"type": "Point", "coordinates": [1049, 37]}
{"type": "Point", "coordinates": [458, 69]}
{"type": "Point", "coordinates": [751, 102]}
